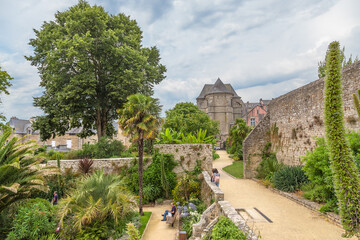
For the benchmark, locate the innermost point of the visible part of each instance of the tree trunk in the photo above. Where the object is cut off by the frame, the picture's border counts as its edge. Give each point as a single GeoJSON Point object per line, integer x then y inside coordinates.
{"type": "Point", "coordinates": [100, 123]}
{"type": "Point", "coordinates": [141, 154]}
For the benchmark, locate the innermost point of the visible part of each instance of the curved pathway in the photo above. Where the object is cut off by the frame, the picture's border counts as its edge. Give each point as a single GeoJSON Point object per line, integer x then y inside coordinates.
{"type": "Point", "coordinates": [290, 220]}
{"type": "Point", "coordinates": [156, 229]}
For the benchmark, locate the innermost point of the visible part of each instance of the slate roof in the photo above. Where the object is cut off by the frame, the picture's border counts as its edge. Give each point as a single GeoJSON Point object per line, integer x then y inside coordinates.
{"type": "Point", "coordinates": [218, 87]}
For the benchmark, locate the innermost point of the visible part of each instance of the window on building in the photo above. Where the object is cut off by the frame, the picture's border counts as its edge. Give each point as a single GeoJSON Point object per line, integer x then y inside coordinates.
{"type": "Point", "coordinates": [53, 144]}
{"type": "Point", "coordinates": [68, 143]}
{"type": "Point", "coordinates": [252, 121]}
{"type": "Point", "coordinates": [257, 111]}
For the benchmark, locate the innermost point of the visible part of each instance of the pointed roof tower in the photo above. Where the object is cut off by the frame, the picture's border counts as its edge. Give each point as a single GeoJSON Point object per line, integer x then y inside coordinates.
{"type": "Point", "coordinates": [219, 87]}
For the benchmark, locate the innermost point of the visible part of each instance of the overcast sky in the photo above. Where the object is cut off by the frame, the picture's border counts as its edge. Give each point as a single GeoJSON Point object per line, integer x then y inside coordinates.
{"type": "Point", "coordinates": [264, 48]}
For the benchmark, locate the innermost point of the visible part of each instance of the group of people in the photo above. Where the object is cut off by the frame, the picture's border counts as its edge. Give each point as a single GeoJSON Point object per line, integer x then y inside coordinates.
{"type": "Point", "coordinates": [215, 177]}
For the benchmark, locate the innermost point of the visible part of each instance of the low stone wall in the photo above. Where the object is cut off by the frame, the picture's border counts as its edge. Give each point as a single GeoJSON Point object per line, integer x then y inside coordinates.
{"type": "Point", "coordinates": [106, 164]}
{"type": "Point", "coordinates": [218, 208]}
{"type": "Point", "coordinates": [209, 190]}
{"type": "Point", "coordinates": [187, 155]}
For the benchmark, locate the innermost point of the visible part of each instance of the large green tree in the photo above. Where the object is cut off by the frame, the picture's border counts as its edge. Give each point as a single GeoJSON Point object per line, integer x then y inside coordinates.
{"type": "Point", "coordinates": [89, 62]}
{"type": "Point", "coordinates": [188, 118]}
{"type": "Point", "coordinates": [238, 133]}
{"type": "Point", "coordinates": [346, 174]}
{"type": "Point", "coordinates": [4, 84]}
{"type": "Point", "coordinates": [140, 119]}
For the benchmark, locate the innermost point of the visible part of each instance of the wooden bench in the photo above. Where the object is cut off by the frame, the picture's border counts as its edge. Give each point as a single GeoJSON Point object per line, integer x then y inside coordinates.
{"type": "Point", "coordinates": [171, 220]}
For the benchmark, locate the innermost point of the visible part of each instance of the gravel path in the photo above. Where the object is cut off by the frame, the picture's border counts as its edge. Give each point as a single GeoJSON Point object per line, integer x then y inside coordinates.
{"type": "Point", "coordinates": [156, 229]}
{"type": "Point", "coordinates": [290, 221]}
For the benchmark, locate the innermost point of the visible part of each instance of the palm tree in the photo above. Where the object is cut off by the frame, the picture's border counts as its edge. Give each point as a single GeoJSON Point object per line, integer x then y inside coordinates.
{"type": "Point", "coordinates": [140, 119]}
{"type": "Point", "coordinates": [97, 197]}
{"type": "Point", "coordinates": [20, 172]}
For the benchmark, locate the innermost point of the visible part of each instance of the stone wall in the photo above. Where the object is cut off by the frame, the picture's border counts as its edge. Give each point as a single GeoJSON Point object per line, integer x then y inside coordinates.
{"type": "Point", "coordinates": [298, 116]}
{"type": "Point", "coordinates": [188, 154]}
{"type": "Point", "coordinates": [106, 164]}
{"type": "Point", "coordinates": [253, 144]}
{"type": "Point", "coordinates": [219, 208]}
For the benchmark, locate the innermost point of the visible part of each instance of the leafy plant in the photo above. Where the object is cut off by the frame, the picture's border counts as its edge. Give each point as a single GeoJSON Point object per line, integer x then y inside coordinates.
{"type": "Point", "coordinates": [189, 221]}
{"type": "Point", "coordinates": [237, 134]}
{"type": "Point", "coordinates": [226, 229]}
{"type": "Point", "coordinates": [97, 198]}
{"type": "Point", "coordinates": [85, 165]}
{"type": "Point", "coordinates": [289, 178]}
{"type": "Point", "coordinates": [132, 232]}
{"type": "Point", "coordinates": [346, 174]}
{"type": "Point", "coordinates": [188, 187]}
{"type": "Point", "coordinates": [151, 192]}
{"type": "Point", "coordinates": [269, 164]}
{"type": "Point", "coordinates": [169, 136]}
{"type": "Point", "coordinates": [33, 220]}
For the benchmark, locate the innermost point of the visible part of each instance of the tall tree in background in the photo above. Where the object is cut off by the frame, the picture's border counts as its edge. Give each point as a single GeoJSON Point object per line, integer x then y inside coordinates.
{"type": "Point", "coordinates": [238, 133]}
{"type": "Point", "coordinates": [140, 119]}
{"type": "Point", "coordinates": [89, 62]}
{"type": "Point", "coordinates": [346, 175]}
{"type": "Point", "coordinates": [4, 84]}
{"type": "Point", "coordinates": [188, 118]}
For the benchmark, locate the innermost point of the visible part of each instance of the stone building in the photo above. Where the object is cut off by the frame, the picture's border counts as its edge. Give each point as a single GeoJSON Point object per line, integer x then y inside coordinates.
{"type": "Point", "coordinates": [70, 141]}
{"type": "Point", "coordinates": [222, 104]}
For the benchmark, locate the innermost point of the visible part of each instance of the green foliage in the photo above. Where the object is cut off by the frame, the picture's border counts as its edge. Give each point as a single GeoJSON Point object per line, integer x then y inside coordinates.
{"type": "Point", "coordinates": [317, 169]}
{"type": "Point", "coordinates": [189, 221]}
{"type": "Point", "coordinates": [269, 164]}
{"type": "Point", "coordinates": [4, 84]}
{"type": "Point", "coordinates": [188, 118]}
{"type": "Point", "coordinates": [289, 178]}
{"type": "Point", "coordinates": [215, 155]}
{"type": "Point", "coordinates": [95, 231]}
{"type": "Point", "coordinates": [187, 187]}
{"type": "Point", "coordinates": [236, 169]}
{"type": "Point", "coordinates": [153, 187]}
{"type": "Point", "coordinates": [226, 229]}
{"type": "Point", "coordinates": [357, 102]}
{"type": "Point", "coordinates": [89, 62]}
{"type": "Point", "coordinates": [238, 133]}
{"type": "Point", "coordinates": [170, 136]}
{"type": "Point", "coordinates": [346, 174]}
{"type": "Point", "coordinates": [20, 173]}
{"type": "Point", "coordinates": [133, 233]}
{"type": "Point", "coordinates": [33, 220]}
{"type": "Point", "coordinates": [98, 199]}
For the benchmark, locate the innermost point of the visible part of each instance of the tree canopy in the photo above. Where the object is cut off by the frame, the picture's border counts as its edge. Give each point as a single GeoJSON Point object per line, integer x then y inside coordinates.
{"type": "Point", "coordinates": [4, 84]}
{"type": "Point", "coordinates": [237, 135]}
{"type": "Point", "coordinates": [89, 62]}
{"type": "Point", "coordinates": [188, 118]}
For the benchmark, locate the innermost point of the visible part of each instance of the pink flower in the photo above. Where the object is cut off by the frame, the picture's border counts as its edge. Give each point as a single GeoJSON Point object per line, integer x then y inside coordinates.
{"type": "Point", "coordinates": [58, 229]}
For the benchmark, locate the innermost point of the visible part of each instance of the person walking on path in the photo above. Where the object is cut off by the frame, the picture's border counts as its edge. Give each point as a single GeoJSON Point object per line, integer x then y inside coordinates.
{"type": "Point", "coordinates": [216, 177]}
{"type": "Point", "coordinates": [55, 199]}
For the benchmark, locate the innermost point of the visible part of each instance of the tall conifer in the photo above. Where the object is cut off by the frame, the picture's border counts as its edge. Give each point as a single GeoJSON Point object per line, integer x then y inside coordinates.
{"type": "Point", "coordinates": [346, 175]}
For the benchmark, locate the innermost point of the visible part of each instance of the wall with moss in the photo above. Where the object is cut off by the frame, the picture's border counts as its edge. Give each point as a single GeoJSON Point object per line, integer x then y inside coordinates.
{"type": "Point", "coordinates": [187, 156]}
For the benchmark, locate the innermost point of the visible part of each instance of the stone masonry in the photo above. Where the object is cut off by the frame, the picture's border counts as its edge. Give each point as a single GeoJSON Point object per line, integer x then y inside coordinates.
{"type": "Point", "coordinates": [296, 118]}
{"type": "Point", "coordinates": [187, 155]}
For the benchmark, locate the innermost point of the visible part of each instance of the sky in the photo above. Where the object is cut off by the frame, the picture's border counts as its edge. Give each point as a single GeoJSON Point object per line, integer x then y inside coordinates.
{"type": "Point", "coordinates": [263, 48]}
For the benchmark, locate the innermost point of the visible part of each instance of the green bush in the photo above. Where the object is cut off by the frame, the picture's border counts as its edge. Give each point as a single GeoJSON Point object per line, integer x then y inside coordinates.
{"type": "Point", "coordinates": [226, 229]}
{"type": "Point", "coordinates": [289, 178]}
{"type": "Point", "coordinates": [33, 220]}
{"type": "Point", "coordinates": [269, 164]}
{"type": "Point", "coordinates": [237, 134]}
{"type": "Point", "coordinates": [317, 169]}
{"type": "Point", "coordinates": [152, 176]}
{"type": "Point", "coordinates": [189, 221]}
{"type": "Point", "coordinates": [150, 193]}
{"type": "Point", "coordinates": [187, 188]}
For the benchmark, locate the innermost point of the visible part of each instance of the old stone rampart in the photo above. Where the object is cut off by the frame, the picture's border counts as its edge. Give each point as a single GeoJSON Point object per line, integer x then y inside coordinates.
{"type": "Point", "coordinates": [187, 155]}
{"type": "Point", "coordinates": [297, 117]}
{"type": "Point", "coordinates": [219, 208]}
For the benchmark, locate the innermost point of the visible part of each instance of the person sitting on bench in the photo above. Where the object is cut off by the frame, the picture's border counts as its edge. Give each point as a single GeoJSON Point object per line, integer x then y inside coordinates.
{"type": "Point", "coordinates": [173, 211]}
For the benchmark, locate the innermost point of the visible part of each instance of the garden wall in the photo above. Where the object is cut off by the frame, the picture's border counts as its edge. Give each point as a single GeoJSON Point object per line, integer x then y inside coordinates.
{"type": "Point", "coordinates": [188, 154]}
{"type": "Point", "coordinates": [106, 164]}
{"type": "Point", "coordinates": [297, 117]}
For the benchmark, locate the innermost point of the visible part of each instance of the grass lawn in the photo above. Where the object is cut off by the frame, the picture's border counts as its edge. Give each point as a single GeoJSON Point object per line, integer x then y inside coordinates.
{"type": "Point", "coordinates": [144, 220]}
{"type": "Point", "coordinates": [235, 169]}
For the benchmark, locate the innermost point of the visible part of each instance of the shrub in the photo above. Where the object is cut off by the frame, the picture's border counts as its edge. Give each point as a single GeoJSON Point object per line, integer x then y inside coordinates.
{"type": "Point", "coordinates": [226, 229]}
{"type": "Point", "coordinates": [237, 134]}
{"type": "Point", "coordinates": [150, 193]}
{"type": "Point", "coordinates": [33, 220]}
{"type": "Point", "coordinates": [269, 164]}
{"type": "Point", "coordinates": [132, 232]}
{"type": "Point", "coordinates": [317, 169]}
{"type": "Point", "coordinates": [188, 187]}
{"type": "Point", "coordinates": [85, 165]}
{"type": "Point", "coordinates": [289, 178]}
{"type": "Point", "coordinates": [188, 221]}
